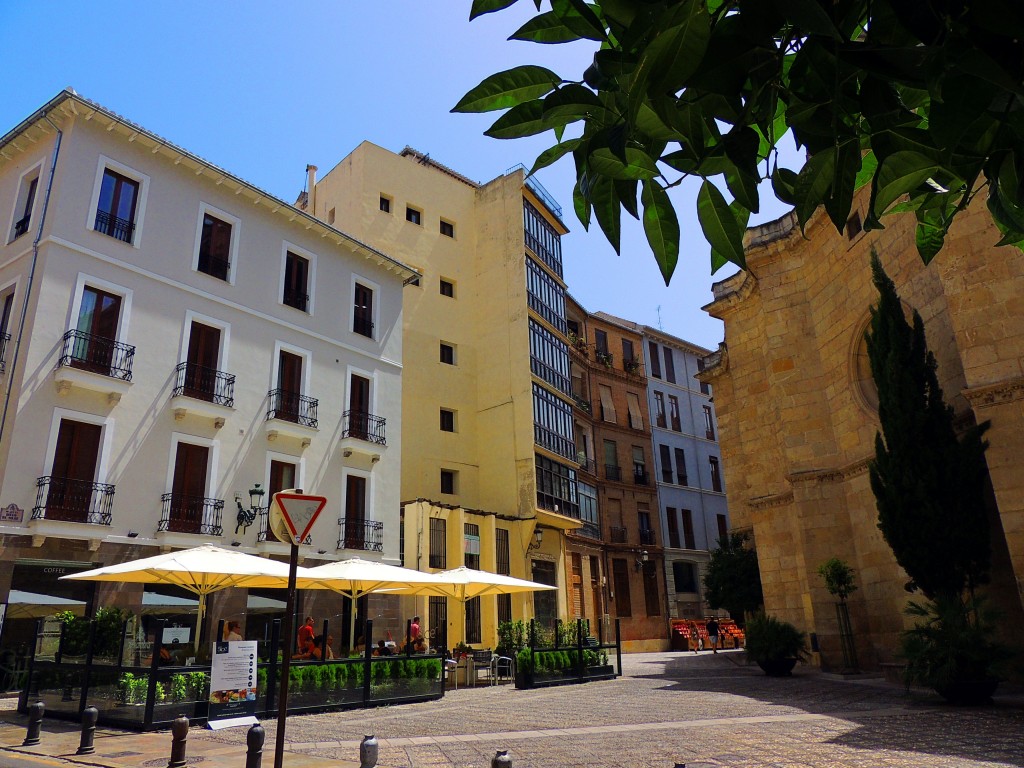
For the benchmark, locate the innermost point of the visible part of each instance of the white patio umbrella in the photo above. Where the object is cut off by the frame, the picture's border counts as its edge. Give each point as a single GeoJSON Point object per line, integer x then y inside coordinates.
{"type": "Point", "coordinates": [356, 577]}
{"type": "Point", "coordinates": [200, 570]}
{"type": "Point", "coordinates": [466, 583]}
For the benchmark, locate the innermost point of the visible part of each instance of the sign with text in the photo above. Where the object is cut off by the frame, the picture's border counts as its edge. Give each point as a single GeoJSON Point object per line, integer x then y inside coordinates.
{"type": "Point", "coordinates": [297, 512]}
{"type": "Point", "coordinates": [233, 680]}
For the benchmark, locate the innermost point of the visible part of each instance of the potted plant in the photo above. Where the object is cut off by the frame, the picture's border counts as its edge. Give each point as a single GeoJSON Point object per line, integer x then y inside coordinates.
{"type": "Point", "coordinates": [775, 645]}
{"type": "Point", "coordinates": [951, 651]}
{"type": "Point", "coordinates": [838, 577]}
{"type": "Point", "coordinates": [524, 668]}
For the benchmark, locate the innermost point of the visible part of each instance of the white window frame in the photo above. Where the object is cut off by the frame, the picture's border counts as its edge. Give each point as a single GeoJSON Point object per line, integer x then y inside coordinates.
{"type": "Point", "coordinates": [373, 286]}
{"type": "Point", "coordinates": [106, 423]}
{"type": "Point", "coordinates": [287, 458]}
{"type": "Point", "coordinates": [19, 201]}
{"type": "Point", "coordinates": [310, 257]}
{"type": "Point", "coordinates": [225, 337]}
{"type": "Point", "coordinates": [104, 285]}
{"type": "Point", "coordinates": [368, 476]}
{"type": "Point", "coordinates": [212, 467]}
{"type": "Point", "coordinates": [236, 230]}
{"type": "Point", "coordinates": [103, 164]}
{"type": "Point", "coordinates": [307, 365]}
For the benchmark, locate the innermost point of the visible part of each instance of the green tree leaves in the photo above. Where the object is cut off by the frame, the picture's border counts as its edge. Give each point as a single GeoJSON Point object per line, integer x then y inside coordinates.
{"type": "Point", "coordinates": [922, 105]}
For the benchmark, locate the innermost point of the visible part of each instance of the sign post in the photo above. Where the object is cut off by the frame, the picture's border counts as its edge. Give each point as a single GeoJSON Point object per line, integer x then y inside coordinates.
{"type": "Point", "coordinates": [291, 517]}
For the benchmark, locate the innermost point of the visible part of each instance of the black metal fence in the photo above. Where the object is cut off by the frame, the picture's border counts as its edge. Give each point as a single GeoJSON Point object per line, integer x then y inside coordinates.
{"type": "Point", "coordinates": [97, 354]}
{"type": "Point", "coordinates": [203, 383]}
{"type": "Point", "coordinates": [74, 501]}
{"type": "Point", "coordinates": [573, 656]}
{"type": "Point", "coordinates": [182, 513]}
{"type": "Point", "coordinates": [367, 535]}
{"type": "Point", "coordinates": [133, 690]}
{"type": "Point", "coordinates": [291, 406]}
{"type": "Point", "coordinates": [364, 426]}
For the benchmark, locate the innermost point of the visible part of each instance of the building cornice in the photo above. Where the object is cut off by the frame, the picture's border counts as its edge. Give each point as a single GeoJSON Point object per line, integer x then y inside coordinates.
{"type": "Point", "coordinates": [831, 474]}
{"type": "Point", "coordinates": [715, 364]}
{"type": "Point", "coordinates": [1000, 393]}
{"type": "Point", "coordinates": [772, 500]}
{"type": "Point", "coordinates": [70, 105]}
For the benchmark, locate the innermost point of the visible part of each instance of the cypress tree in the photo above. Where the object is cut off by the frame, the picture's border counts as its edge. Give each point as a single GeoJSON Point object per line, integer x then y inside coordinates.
{"type": "Point", "coordinates": [928, 483]}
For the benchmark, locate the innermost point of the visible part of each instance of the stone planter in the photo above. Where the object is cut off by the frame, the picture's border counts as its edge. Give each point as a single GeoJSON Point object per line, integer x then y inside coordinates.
{"type": "Point", "coordinates": [968, 693]}
{"type": "Point", "coordinates": [777, 667]}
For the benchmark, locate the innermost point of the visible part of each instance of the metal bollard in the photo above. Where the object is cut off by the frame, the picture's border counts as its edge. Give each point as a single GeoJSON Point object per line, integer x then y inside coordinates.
{"type": "Point", "coordinates": [254, 741]}
{"type": "Point", "coordinates": [179, 732]}
{"type": "Point", "coordinates": [35, 724]}
{"type": "Point", "coordinates": [89, 717]}
{"type": "Point", "coordinates": [368, 750]}
{"type": "Point", "coordinates": [501, 759]}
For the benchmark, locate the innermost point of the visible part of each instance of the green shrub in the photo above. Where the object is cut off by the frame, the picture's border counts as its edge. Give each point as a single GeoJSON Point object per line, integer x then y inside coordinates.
{"type": "Point", "coordinates": [524, 661]}
{"type": "Point", "coordinates": [770, 639]}
{"type": "Point", "coordinates": [179, 687]}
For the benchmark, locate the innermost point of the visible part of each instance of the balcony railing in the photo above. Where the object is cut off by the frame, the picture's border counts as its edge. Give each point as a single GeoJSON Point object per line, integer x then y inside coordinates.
{"type": "Point", "coordinates": [647, 536]}
{"type": "Point", "coordinates": [590, 530]}
{"type": "Point", "coordinates": [604, 358]}
{"type": "Point", "coordinates": [709, 434]}
{"type": "Point", "coordinates": [97, 354]}
{"type": "Point", "coordinates": [297, 299]}
{"type": "Point", "coordinates": [363, 326]}
{"type": "Point", "coordinates": [364, 426]}
{"type": "Point", "coordinates": [109, 224]}
{"type": "Point", "coordinates": [612, 472]}
{"type": "Point", "coordinates": [21, 226]}
{"type": "Point", "coordinates": [293, 407]}
{"type": "Point", "coordinates": [203, 383]}
{"type": "Point", "coordinates": [191, 514]}
{"type": "Point", "coordinates": [583, 404]}
{"type": "Point", "coordinates": [554, 442]}
{"type": "Point", "coordinates": [263, 533]}
{"type": "Point", "coordinates": [215, 266]}
{"type": "Point", "coordinates": [640, 477]}
{"type": "Point", "coordinates": [586, 465]}
{"type": "Point", "coordinates": [617, 535]}
{"type": "Point", "coordinates": [367, 535]}
{"type": "Point", "coordinates": [666, 476]}
{"type": "Point", "coordinates": [537, 305]}
{"type": "Point", "coordinates": [546, 254]}
{"type": "Point", "coordinates": [676, 425]}
{"type": "Point", "coordinates": [632, 365]}
{"type": "Point", "coordinates": [681, 480]}
{"type": "Point", "coordinates": [73, 501]}
{"type": "Point", "coordinates": [4, 338]}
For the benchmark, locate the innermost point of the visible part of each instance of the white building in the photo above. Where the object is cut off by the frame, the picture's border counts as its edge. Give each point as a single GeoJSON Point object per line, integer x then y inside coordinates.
{"type": "Point", "coordinates": [172, 336]}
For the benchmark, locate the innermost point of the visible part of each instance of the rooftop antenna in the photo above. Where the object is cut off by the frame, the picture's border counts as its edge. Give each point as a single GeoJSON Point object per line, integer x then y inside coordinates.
{"type": "Point", "coordinates": [660, 328]}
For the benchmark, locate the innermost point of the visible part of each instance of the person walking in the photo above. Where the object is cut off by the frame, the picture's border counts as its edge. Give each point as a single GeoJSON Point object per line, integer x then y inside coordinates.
{"type": "Point", "coordinates": [712, 628]}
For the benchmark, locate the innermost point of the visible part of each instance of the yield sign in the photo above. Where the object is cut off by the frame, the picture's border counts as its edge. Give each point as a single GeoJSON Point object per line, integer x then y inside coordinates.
{"type": "Point", "coordinates": [299, 512]}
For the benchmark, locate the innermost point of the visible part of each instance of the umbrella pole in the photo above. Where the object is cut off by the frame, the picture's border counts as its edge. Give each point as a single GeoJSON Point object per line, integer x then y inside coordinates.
{"type": "Point", "coordinates": [201, 614]}
{"type": "Point", "coordinates": [352, 623]}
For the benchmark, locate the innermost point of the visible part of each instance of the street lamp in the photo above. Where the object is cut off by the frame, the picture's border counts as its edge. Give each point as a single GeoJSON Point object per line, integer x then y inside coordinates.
{"type": "Point", "coordinates": [642, 559]}
{"type": "Point", "coordinates": [245, 516]}
{"type": "Point", "coordinates": [538, 538]}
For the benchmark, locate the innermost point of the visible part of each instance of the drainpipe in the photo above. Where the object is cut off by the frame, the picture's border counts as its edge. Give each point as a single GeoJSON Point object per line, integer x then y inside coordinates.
{"type": "Point", "coordinates": [31, 277]}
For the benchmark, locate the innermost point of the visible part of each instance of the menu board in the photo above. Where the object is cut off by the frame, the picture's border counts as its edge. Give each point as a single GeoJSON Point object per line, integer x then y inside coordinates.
{"type": "Point", "coordinates": [233, 680]}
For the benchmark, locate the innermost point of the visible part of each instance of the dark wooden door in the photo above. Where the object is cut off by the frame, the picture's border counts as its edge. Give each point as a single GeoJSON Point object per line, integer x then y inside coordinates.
{"type": "Point", "coordinates": [74, 471]}
{"type": "Point", "coordinates": [355, 512]}
{"type": "Point", "coordinates": [289, 384]}
{"type": "Point", "coordinates": [188, 491]}
{"type": "Point", "coordinates": [359, 407]}
{"type": "Point", "coordinates": [201, 368]}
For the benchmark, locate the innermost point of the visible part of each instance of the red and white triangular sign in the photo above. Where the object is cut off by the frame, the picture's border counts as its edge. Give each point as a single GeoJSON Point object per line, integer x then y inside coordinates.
{"type": "Point", "coordinates": [299, 512]}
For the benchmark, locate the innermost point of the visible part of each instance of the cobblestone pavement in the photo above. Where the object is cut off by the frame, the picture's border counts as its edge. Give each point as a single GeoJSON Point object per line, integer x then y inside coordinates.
{"type": "Point", "coordinates": [707, 711]}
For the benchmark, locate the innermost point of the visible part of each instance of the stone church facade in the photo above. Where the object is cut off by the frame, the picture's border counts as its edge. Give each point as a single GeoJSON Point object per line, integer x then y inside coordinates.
{"type": "Point", "coordinates": [797, 406]}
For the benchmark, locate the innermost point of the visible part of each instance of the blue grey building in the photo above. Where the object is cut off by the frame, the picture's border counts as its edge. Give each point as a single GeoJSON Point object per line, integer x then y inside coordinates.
{"type": "Point", "coordinates": [688, 466]}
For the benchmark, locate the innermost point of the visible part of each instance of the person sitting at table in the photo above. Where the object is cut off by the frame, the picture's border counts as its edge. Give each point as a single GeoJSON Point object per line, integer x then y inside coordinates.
{"type": "Point", "coordinates": [327, 648]}
{"type": "Point", "coordinates": [381, 649]}
{"type": "Point", "coordinates": [360, 647]}
{"type": "Point", "coordinates": [313, 649]}
{"type": "Point", "coordinates": [420, 646]}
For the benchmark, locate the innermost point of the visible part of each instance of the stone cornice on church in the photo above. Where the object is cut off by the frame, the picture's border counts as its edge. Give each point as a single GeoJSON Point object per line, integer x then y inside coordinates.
{"type": "Point", "coordinates": [831, 474]}
{"type": "Point", "coordinates": [1000, 393]}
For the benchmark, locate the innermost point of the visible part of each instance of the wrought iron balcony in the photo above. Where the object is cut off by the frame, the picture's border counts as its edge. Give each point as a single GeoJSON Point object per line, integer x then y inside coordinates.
{"type": "Point", "coordinates": [676, 425]}
{"type": "Point", "coordinates": [362, 326]}
{"type": "Point", "coordinates": [21, 226]}
{"type": "Point", "coordinates": [73, 501]}
{"type": "Point", "coordinates": [201, 383]}
{"type": "Point", "coordinates": [583, 404]}
{"type": "Point", "coordinates": [299, 300]}
{"type": "Point", "coordinates": [263, 532]}
{"type": "Point", "coordinates": [612, 472]}
{"type": "Point", "coordinates": [586, 465]}
{"type": "Point", "coordinates": [604, 358]}
{"type": "Point", "coordinates": [632, 365]}
{"type": "Point", "coordinates": [191, 514]}
{"type": "Point", "coordinates": [640, 477]}
{"type": "Point", "coordinates": [97, 354]}
{"type": "Point", "coordinates": [367, 535]}
{"type": "Point", "coordinates": [4, 339]}
{"type": "Point", "coordinates": [590, 530]}
{"type": "Point", "coordinates": [617, 535]}
{"type": "Point", "coordinates": [215, 266]}
{"type": "Point", "coordinates": [709, 434]}
{"type": "Point", "coordinates": [681, 480]}
{"type": "Point", "coordinates": [364, 426]}
{"type": "Point", "coordinates": [293, 407]}
{"type": "Point", "coordinates": [109, 224]}
{"type": "Point", "coordinates": [647, 536]}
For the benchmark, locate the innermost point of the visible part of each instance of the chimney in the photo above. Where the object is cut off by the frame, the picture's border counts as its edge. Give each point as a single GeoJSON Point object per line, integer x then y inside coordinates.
{"type": "Point", "coordinates": [311, 189]}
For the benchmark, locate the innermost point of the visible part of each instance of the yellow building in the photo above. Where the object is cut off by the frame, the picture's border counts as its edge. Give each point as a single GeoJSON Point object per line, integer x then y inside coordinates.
{"type": "Point", "coordinates": [798, 410]}
{"type": "Point", "coordinates": [488, 457]}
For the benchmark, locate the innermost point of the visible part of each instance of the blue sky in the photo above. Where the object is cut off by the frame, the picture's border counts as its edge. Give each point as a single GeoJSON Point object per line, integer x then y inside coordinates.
{"type": "Point", "coordinates": [262, 89]}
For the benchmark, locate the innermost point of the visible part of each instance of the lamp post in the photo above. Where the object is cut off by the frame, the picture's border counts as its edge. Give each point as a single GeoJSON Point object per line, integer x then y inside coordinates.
{"type": "Point", "coordinates": [245, 516]}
